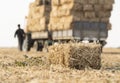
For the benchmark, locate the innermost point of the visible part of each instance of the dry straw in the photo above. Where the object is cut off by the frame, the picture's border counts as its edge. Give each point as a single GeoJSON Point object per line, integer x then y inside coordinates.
{"type": "Point", "coordinates": [60, 14]}
{"type": "Point", "coordinates": [80, 10]}
{"type": "Point", "coordinates": [76, 55]}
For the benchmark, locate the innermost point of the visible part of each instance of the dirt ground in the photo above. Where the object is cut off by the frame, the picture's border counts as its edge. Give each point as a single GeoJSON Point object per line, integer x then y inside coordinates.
{"type": "Point", "coordinates": [23, 67]}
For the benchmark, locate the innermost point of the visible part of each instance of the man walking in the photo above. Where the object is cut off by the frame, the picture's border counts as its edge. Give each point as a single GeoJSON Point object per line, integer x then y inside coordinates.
{"type": "Point", "coordinates": [21, 35]}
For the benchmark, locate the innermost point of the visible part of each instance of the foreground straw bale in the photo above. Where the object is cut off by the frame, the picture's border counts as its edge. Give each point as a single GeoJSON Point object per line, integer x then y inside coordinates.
{"type": "Point", "coordinates": [76, 55]}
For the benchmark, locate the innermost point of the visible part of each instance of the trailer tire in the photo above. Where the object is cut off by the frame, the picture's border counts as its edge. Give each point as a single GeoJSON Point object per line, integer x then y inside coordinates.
{"type": "Point", "coordinates": [103, 43]}
{"type": "Point", "coordinates": [26, 46]}
{"type": "Point", "coordinates": [39, 46]}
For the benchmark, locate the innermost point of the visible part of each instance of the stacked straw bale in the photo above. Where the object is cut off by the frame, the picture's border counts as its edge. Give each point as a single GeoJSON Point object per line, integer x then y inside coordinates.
{"type": "Point", "coordinates": [64, 12]}
{"type": "Point", "coordinates": [76, 55]}
{"type": "Point", "coordinates": [38, 16]}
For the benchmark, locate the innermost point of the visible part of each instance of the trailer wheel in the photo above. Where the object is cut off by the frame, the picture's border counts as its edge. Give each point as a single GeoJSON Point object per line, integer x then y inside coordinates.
{"type": "Point", "coordinates": [28, 42]}
{"type": "Point", "coordinates": [45, 46]}
{"type": "Point", "coordinates": [39, 46]}
{"type": "Point", "coordinates": [26, 46]}
{"type": "Point", "coordinates": [103, 43]}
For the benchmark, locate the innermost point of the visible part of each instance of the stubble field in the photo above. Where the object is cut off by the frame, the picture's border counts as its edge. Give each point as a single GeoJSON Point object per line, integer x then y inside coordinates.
{"type": "Point", "coordinates": [32, 67]}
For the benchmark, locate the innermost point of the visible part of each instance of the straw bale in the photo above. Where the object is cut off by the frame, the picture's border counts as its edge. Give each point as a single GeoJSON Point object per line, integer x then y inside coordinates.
{"type": "Point", "coordinates": [77, 15]}
{"type": "Point", "coordinates": [107, 7]}
{"type": "Point", "coordinates": [39, 9]}
{"type": "Point", "coordinates": [106, 1]}
{"type": "Point", "coordinates": [89, 14]}
{"type": "Point", "coordinates": [88, 7]}
{"type": "Point", "coordinates": [33, 28]}
{"type": "Point", "coordinates": [37, 12]}
{"type": "Point", "coordinates": [38, 2]}
{"type": "Point", "coordinates": [76, 55]}
{"type": "Point", "coordinates": [76, 18]}
{"type": "Point", "coordinates": [36, 20]}
{"type": "Point", "coordinates": [67, 13]}
{"type": "Point", "coordinates": [42, 20]}
{"type": "Point", "coordinates": [101, 1]}
{"type": "Point", "coordinates": [67, 26]}
{"type": "Point", "coordinates": [77, 7]}
{"type": "Point", "coordinates": [29, 28]}
{"type": "Point", "coordinates": [36, 27]}
{"type": "Point", "coordinates": [54, 14]}
{"type": "Point", "coordinates": [63, 13]}
{"type": "Point", "coordinates": [93, 1]}
{"type": "Point", "coordinates": [94, 20]}
{"type": "Point", "coordinates": [37, 15]}
{"type": "Point", "coordinates": [109, 26]}
{"type": "Point", "coordinates": [109, 1]}
{"type": "Point", "coordinates": [31, 5]}
{"type": "Point", "coordinates": [81, 1]}
{"type": "Point", "coordinates": [90, 19]}
{"type": "Point", "coordinates": [66, 1]}
{"type": "Point", "coordinates": [55, 2]}
{"type": "Point", "coordinates": [54, 20]}
{"type": "Point", "coordinates": [50, 27]}
{"type": "Point", "coordinates": [66, 19]}
{"type": "Point", "coordinates": [53, 27]}
{"type": "Point", "coordinates": [98, 7]}
{"type": "Point", "coordinates": [60, 12]}
{"type": "Point", "coordinates": [31, 13]}
{"type": "Point", "coordinates": [102, 14]}
{"type": "Point", "coordinates": [68, 6]}
{"type": "Point", "coordinates": [60, 26]}
{"type": "Point", "coordinates": [36, 24]}
{"type": "Point", "coordinates": [106, 19]}
{"type": "Point", "coordinates": [55, 8]}
{"type": "Point", "coordinates": [42, 27]}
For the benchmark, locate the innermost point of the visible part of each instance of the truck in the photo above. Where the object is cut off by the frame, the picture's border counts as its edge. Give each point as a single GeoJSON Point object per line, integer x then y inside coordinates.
{"type": "Point", "coordinates": [82, 31]}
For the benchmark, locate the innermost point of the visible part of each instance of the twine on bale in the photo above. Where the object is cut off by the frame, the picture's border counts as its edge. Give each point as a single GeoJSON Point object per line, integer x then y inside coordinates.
{"type": "Point", "coordinates": [76, 55]}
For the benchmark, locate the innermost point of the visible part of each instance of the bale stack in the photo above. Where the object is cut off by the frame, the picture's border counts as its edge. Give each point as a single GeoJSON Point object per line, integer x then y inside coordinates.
{"type": "Point", "coordinates": [37, 17]}
{"type": "Point", "coordinates": [76, 55]}
{"type": "Point", "coordinates": [65, 12]}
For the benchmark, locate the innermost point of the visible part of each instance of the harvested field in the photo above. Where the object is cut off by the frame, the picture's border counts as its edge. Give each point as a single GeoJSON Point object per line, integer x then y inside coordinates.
{"type": "Point", "coordinates": [12, 72]}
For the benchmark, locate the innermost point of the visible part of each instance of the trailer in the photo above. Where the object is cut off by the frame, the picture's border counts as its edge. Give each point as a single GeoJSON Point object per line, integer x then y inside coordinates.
{"type": "Point", "coordinates": [82, 31]}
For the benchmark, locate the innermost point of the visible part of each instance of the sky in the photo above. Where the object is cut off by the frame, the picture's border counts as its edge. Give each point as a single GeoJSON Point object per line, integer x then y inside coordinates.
{"type": "Point", "coordinates": [13, 12]}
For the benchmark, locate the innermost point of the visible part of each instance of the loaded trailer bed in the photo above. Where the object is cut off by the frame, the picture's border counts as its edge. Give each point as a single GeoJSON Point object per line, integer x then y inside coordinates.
{"type": "Point", "coordinates": [83, 31]}
{"type": "Point", "coordinates": [80, 31]}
